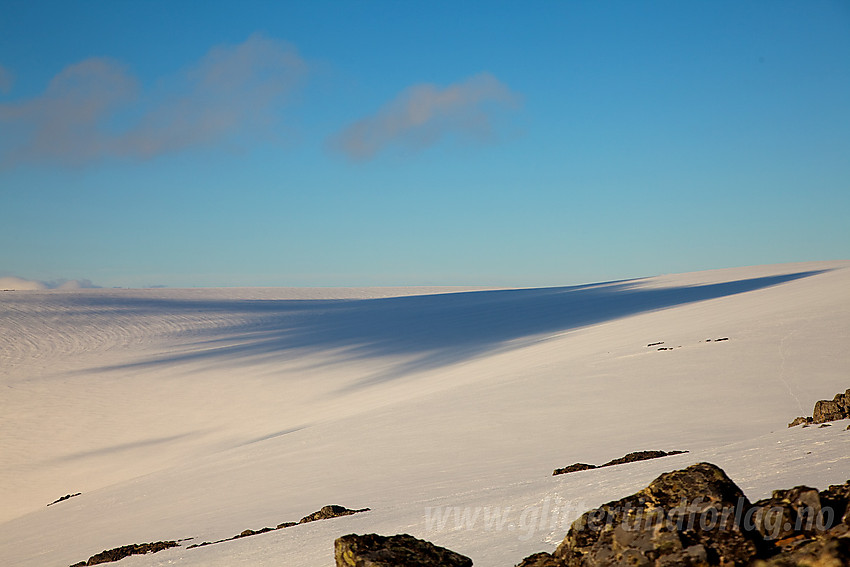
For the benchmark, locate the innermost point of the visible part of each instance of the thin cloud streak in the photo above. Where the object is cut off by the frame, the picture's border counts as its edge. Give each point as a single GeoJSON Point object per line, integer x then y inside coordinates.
{"type": "Point", "coordinates": [96, 108]}
{"type": "Point", "coordinates": [422, 115]}
{"type": "Point", "coordinates": [23, 284]}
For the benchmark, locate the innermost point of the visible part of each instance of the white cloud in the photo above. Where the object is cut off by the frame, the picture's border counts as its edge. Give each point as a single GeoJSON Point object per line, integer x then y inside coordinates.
{"type": "Point", "coordinates": [96, 108]}
{"type": "Point", "coordinates": [423, 114]}
{"type": "Point", "coordinates": [67, 123]}
{"type": "Point", "coordinates": [22, 284]}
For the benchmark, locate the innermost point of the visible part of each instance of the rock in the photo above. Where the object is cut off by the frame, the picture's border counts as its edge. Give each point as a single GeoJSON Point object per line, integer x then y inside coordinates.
{"type": "Point", "coordinates": [372, 550]}
{"type": "Point", "coordinates": [248, 533]}
{"type": "Point", "coordinates": [117, 553]}
{"type": "Point", "coordinates": [684, 517]}
{"type": "Point", "coordinates": [828, 550]}
{"type": "Point", "coordinates": [835, 501]}
{"type": "Point", "coordinates": [62, 499]}
{"type": "Point", "coordinates": [629, 458]}
{"type": "Point", "coordinates": [843, 400]}
{"type": "Point", "coordinates": [331, 511]}
{"type": "Point", "coordinates": [828, 411]}
{"type": "Point", "coordinates": [574, 468]}
{"type": "Point", "coordinates": [640, 456]}
{"type": "Point", "coordinates": [541, 559]}
{"type": "Point", "coordinates": [286, 525]}
{"type": "Point", "coordinates": [698, 517]}
{"type": "Point", "coordinates": [788, 513]}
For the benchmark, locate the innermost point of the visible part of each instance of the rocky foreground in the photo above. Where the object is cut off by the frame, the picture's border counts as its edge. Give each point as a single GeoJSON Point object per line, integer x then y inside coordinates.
{"type": "Point", "coordinates": [693, 517]}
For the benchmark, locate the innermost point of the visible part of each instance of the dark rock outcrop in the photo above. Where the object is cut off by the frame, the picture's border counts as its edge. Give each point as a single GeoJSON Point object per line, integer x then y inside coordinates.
{"type": "Point", "coordinates": [694, 517]}
{"type": "Point", "coordinates": [372, 550]}
{"type": "Point", "coordinates": [788, 513]}
{"type": "Point", "coordinates": [328, 512]}
{"type": "Point", "coordinates": [541, 559]}
{"type": "Point", "coordinates": [62, 499]}
{"type": "Point", "coordinates": [666, 523]}
{"type": "Point", "coordinates": [844, 400]}
{"type": "Point", "coordinates": [629, 458]}
{"type": "Point", "coordinates": [574, 468]}
{"type": "Point", "coordinates": [798, 420]}
{"type": "Point", "coordinates": [699, 517]}
{"type": "Point", "coordinates": [641, 456]}
{"type": "Point", "coordinates": [831, 549]}
{"type": "Point", "coordinates": [247, 533]}
{"type": "Point", "coordinates": [827, 410]}
{"type": "Point", "coordinates": [837, 499]}
{"type": "Point", "coordinates": [110, 555]}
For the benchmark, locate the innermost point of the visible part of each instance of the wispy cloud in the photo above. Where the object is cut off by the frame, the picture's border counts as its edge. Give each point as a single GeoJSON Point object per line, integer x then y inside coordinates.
{"type": "Point", "coordinates": [96, 108]}
{"type": "Point", "coordinates": [6, 80]}
{"type": "Point", "coordinates": [423, 114]}
{"type": "Point", "coordinates": [22, 284]}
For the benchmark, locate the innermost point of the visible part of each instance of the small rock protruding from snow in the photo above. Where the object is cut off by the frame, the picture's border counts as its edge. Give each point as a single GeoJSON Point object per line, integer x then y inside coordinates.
{"type": "Point", "coordinates": [798, 420]}
{"type": "Point", "coordinates": [328, 512]}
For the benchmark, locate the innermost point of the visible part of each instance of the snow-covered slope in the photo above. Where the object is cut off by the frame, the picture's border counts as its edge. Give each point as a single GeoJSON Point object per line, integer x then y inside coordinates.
{"type": "Point", "coordinates": [202, 413]}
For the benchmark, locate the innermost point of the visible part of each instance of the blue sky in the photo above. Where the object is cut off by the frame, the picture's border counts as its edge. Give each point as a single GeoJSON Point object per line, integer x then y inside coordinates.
{"type": "Point", "coordinates": [401, 143]}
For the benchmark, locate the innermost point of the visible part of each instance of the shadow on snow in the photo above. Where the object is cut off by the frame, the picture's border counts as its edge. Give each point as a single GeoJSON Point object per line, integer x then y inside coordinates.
{"type": "Point", "coordinates": [432, 330]}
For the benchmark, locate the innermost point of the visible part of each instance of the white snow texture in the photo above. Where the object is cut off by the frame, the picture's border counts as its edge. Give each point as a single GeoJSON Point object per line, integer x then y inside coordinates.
{"type": "Point", "coordinates": [200, 413]}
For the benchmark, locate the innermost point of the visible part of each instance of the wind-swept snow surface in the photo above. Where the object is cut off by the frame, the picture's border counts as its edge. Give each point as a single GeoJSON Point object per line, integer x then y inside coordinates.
{"type": "Point", "coordinates": [202, 413]}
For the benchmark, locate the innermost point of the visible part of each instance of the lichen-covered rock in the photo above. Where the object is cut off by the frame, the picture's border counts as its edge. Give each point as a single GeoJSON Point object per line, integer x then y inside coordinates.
{"type": "Point", "coordinates": [788, 513]}
{"type": "Point", "coordinates": [831, 549]}
{"type": "Point", "coordinates": [826, 410]}
{"type": "Point", "coordinates": [698, 517]}
{"type": "Point", "coordinates": [684, 517]}
{"type": "Point", "coordinates": [373, 550]}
